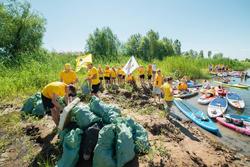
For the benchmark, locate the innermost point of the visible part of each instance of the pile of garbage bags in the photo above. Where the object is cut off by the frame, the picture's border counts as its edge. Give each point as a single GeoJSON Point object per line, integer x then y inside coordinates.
{"type": "Point", "coordinates": [101, 132]}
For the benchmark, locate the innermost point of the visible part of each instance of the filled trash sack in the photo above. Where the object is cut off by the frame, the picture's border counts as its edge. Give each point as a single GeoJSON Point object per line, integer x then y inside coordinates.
{"type": "Point", "coordinates": [82, 115]}
{"type": "Point", "coordinates": [107, 112]}
{"type": "Point", "coordinates": [71, 147]}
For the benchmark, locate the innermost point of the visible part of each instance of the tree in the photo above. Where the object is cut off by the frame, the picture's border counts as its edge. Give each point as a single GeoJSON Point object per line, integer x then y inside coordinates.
{"type": "Point", "coordinates": [153, 38]}
{"type": "Point", "coordinates": [21, 30]}
{"type": "Point", "coordinates": [201, 54]}
{"type": "Point", "coordinates": [132, 45]}
{"type": "Point", "coordinates": [218, 56]}
{"type": "Point", "coordinates": [177, 47]}
{"type": "Point", "coordinates": [209, 54]}
{"type": "Point", "coordinates": [103, 43]}
{"type": "Point", "coordinates": [168, 44]}
{"type": "Point", "coordinates": [144, 49]}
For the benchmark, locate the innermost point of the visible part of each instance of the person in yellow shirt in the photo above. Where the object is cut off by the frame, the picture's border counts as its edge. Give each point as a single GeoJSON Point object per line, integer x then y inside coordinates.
{"type": "Point", "coordinates": [158, 81]}
{"type": "Point", "coordinates": [93, 78]}
{"type": "Point", "coordinates": [113, 75]}
{"type": "Point", "coordinates": [182, 86]}
{"type": "Point", "coordinates": [141, 71]}
{"type": "Point", "coordinates": [50, 94]}
{"type": "Point", "coordinates": [130, 79]}
{"type": "Point", "coordinates": [150, 72]}
{"type": "Point", "coordinates": [100, 71]}
{"type": "Point", "coordinates": [107, 75]}
{"type": "Point", "coordinates": [168, 93]}
{"type": "Point", "coordinates": [123, 76]}
{"type": "Point", "coordinates": [68, 76]}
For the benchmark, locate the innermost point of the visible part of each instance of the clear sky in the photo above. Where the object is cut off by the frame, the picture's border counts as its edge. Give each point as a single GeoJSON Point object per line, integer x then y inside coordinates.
{"type": "Point", "coordinates": [216, 25]}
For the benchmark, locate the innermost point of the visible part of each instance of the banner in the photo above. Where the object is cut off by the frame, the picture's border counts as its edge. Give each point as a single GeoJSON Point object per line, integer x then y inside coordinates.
{"type": "Point", "coordinates": [131, 65]}
{"type": "Point", "coordinates": [82, 61]}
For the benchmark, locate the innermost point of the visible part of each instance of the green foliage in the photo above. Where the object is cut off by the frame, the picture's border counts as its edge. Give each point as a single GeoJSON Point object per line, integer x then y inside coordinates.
{"type": "Point", "coordinates": [103, 43]}
{"type": "Point", "coordinates": [21, 30]}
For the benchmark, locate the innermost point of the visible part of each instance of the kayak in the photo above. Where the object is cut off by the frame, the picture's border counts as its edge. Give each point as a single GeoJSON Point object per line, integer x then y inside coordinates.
{"type": "Point", "coordinates": [192, 84]}
{"type": "Point", "coordinates": [242, 86]}
{"type": "Point", "coordinates": [217, 107]}
{"type": "Point", "coordinates": [196, 115]}
{"type": "Point", "coordinates": [221, 92]}
{"type": "Point", "coordinates": [244, 129]}
{"type": "Point", "coordinates": [240, 117]}
{"type": "Point", "coordinates": [187, 94]}
{"type": "Point", "coordinates": [202, 90]}
{"type": "Point", "coordinates": [205, 100]}
{"type": "Point", "coordinates": [235, 100]}
{"type": "Point", "coordinates": [224, 74]}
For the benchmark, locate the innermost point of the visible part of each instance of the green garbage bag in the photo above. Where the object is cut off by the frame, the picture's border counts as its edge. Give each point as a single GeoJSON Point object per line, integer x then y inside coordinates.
{"type": "Point", "coordinates": [61, 101]}
{"type": "Point", "coordinates": [108, 113]}
{"type": "Point", "coordinates": [38, 109]}
{"type": "Point", "coordinates": [124, 145]}
{"type": "Point", "coordinates": [83, 117]}
{"type": "Point", "coordinates": [140, 135]}
{"type": "Point", "coordinates": [30, 103]}
{"type": "Point", "coordinates": [104, 150]}
{"type": "Point", "coordinates": [71, 147]}
{"type": "Point", "coordinates": [86, 88]}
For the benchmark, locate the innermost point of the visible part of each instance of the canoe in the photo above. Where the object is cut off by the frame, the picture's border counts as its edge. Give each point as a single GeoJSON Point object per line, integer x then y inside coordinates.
{"type": "Point", "coordinates": [189, 94]}
{"type": "Point", "coordinates": [235, 100]}
{"type": "Point", "coordinates": [205, 100]}
{"type": "Point", "coordinates": [196, 115]}
{"type": "Point", "coordinates": [243, 130]}
{"type": "Point", "coordinates": [240, 117]}
{"type": "Point", "coordinates": [242, 86]}
{"type": "Point", "coordinates": [192, 84]}
{"type": "Point", "coordinates": [217, 107]}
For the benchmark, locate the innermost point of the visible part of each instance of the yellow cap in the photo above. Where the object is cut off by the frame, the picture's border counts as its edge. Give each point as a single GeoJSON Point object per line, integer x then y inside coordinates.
{"type": "Point", "coordinates": [67, 66]}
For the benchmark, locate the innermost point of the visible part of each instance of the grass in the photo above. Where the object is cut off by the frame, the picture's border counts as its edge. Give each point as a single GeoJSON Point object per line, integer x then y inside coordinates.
{"type": "Point", "coordinates": [39, 69]}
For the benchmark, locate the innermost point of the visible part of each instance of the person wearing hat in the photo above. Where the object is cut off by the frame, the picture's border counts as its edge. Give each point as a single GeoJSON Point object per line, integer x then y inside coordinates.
{"type": "Point", "coordinates": [107, 75]}
{"type": "Point", "coordinates": [68, 76]}
{"type": "Point", "coordinates": [50, 94]}
{"type": "Point", "coordinates": [158, 81]}
{"type": "Point", "coordinates": [141, 71]}
{"type": "Point", "coordinates": [113, 75]}
{"type": "Point", "coordinates": [93, 78]}
{"type": "Point", "coordinates": [168, 93]}
{"type": "Point", "coordinates": [150, 72]}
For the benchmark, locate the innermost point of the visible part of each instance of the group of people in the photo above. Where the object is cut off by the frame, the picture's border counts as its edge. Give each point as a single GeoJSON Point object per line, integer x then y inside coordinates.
{"type": "Point", "coordinates": [218, 68]}
{"type": "Point", "coordinates": [98, 77]}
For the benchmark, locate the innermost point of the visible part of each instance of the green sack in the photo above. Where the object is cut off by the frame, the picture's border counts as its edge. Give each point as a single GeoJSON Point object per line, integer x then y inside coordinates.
{"type": "Point", "coordinates": [71, 147]}
{"type": "Point", "coordinates": [108, 113]}
{"type": "Point", "coordinates": [83, 117]}
{"type": "Point", "coordinates": [30, 103]}
{"type": "Point", "coordinates": [124, 146]}
{"type": "Point", "coordinates": [61, 101]}
{"type": "Point", "coordinates": [104, 150]}
{"type": "Point", "coordinates": [38, 109]}
{"type": "Point", "coordinates": [140, 135]}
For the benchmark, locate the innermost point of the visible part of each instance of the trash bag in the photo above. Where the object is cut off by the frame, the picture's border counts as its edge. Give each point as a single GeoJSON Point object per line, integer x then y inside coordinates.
{"type": "Point", "coordinates": [108, 113]}
{"type": "Point", "coordinates": [30, 103]}
{"type": "Point", "coordinates": [61, 101]}
{"type": "Point", "coordinates": [38, 109]}
{"type": "Point", "coordinates": [124, 145]}
{"type": "Point", "coordinates": [86, 88]}
{"type": "Point", "coordinates": [140, 135]}
{"type": "Point", "coordinates": [71, 146]}
{"type": "Point", "coordinates": [82, 115]}
{"type": "Point", "coordinates": [104, 150]}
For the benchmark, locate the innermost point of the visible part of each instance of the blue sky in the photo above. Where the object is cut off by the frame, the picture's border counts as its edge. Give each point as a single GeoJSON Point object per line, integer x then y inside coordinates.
{"type": "Point", "coordinates": [216, 25]}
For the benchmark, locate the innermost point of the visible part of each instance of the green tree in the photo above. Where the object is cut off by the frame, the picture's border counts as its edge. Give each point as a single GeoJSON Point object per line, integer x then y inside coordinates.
{"type": "Point", "coordinates": [209, 54]}
{"type": "Point", "coordinates": [201, 54]}
{"type": "Point", "coordinates": [153, 38]}
{"type": "Point", "coordinates": [132, 45]}
{"type": "Point", "coordinates": [144, 48]}
{"type": "Point", "coordinates": [21, 30]}
{"type": "Point", "coordinates": [177, 47]}
{"type": "Point", "coordinates": [218, 56]}
{"type": "Point", "coordinates": [103, 43]}
{"type": "Point", "coordinates": [168, 46]}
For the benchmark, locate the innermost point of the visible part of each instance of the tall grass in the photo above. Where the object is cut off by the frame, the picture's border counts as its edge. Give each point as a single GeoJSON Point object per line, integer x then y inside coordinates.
{"type": "Point", "coordinates": [34, 74]}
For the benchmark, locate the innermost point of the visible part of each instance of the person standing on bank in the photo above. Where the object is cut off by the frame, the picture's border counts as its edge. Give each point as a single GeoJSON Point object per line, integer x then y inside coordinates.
{"type": "Point", "coordinates": [93, 78]}
{"type": "Point", "coordinates": [168, 93]}
{"type": "Point", "coordinates": [68, 75]}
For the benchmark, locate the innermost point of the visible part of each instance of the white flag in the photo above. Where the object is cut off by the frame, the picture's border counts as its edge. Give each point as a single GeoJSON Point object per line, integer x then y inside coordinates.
{"type": "Point", "coordinates": [130, 66]}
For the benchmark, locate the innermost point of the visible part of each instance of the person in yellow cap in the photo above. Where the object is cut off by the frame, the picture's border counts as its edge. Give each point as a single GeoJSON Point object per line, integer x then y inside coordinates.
{"type": "Point", "coordinates": [123, 75]}
{"type": "Point", "coordinates": [113, 76]}
{"type": "Point", "coordinates": [150, 72]}
{"type": "Point", "coordinates": [107, 75]}
{"type": "Point", "coordinates": [50, 94]}
{"type": "Point", "coordinates": [168, 93]}
{"type": "Point", "coordinates": [93, 78]}
{"type": "Point", "coordinates": [120, 74]}
{"type": "Point", "coordinates": [68, 76]}
{"type": "Point", "coordinates": [100, 71]}
{"type": "Point", "coordinates": [141, 71]}
{"type": "Point", "coordinates": [158, 81]}
{"type": "Point", "coordinates": [182, 86]}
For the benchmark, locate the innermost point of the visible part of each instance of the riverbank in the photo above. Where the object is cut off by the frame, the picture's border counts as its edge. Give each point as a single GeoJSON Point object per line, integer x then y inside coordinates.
{"type": "Point", "coordinates": [173, 143]}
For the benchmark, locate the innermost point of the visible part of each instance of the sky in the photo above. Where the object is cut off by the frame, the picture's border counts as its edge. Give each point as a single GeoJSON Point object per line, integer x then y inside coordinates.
{"type": "Point", "coordinates": [216, 25]}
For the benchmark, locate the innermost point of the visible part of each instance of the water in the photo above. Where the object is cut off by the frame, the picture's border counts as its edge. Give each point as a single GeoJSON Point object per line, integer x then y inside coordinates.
{"type": "Point", "coordinates": [232, 139]}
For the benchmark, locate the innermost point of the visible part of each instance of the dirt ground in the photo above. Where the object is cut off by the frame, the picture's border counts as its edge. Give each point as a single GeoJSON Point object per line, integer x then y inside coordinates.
{"type": "Point", "coordinates": [34, 142]}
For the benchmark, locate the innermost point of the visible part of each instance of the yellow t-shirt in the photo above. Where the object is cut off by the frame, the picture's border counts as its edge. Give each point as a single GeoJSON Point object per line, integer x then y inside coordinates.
{"type": "Point", "coordinates": [107, 73]}
{"type": "Point", "coordinates": [158, 81]}
{"type": "Point", "coordinates": [167, 92]}
{"type": "Point", "coordinates": [130, 78]}
{"type": "Point", "coordinates": [57, 88]}
{"type": "Point", "coordinates": [113, 73]}
{"type": "Point", "coordinates": [150, 71]}
{"type": "Point", "coordinates": [100, 72]}
{"type": "Point", "coordinates": [123, 73]}
{"type": "Point", "coordinates": [68, 77]}
{"type": "Point", "coordinates": [93, 71]}
{"type": "Point", "coordinates": [182, 86]}
{"type": "Point", "coordinates": [119, 71]}
{"type": "Point", "coordinates": [141, 71]}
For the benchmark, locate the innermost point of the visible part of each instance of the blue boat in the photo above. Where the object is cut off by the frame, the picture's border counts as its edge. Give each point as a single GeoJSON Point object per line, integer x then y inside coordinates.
{"type": "Point", "coordinates": [240, 117]}
{"type": "Point", "coordinates": [196, 115]}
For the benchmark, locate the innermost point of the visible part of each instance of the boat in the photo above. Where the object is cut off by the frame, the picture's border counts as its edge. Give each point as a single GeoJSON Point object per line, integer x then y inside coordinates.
{"type": "Point", "coordinates": [220, 92]}
{"type": "Point", "coordinates": [205, 100]}
{"type": "Point", "coordinates": [192, 84]}
{"type": "Point", "coordinates": [217, 107]}
{"type": "Point", "coordinates": [196, 115]}
{"type": "Point", "coordinates": [235, 100]}
{"type": "Point", "coordinates": [186, 94]}
{"type": "Point", "coordinates": [244, 129]}
{"type": "Point", "coordinates": [240, 85]}
{"type": "Point", "coordinates": [223, 74]}
{"type": "Point", "coordinates": [239, 117]}
{"type": "Point", "coordinates": [202, 90]}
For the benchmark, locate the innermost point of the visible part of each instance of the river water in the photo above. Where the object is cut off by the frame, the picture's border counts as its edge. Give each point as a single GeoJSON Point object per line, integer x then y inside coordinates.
{"type": "Point", "coordinates": [230, 138]}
